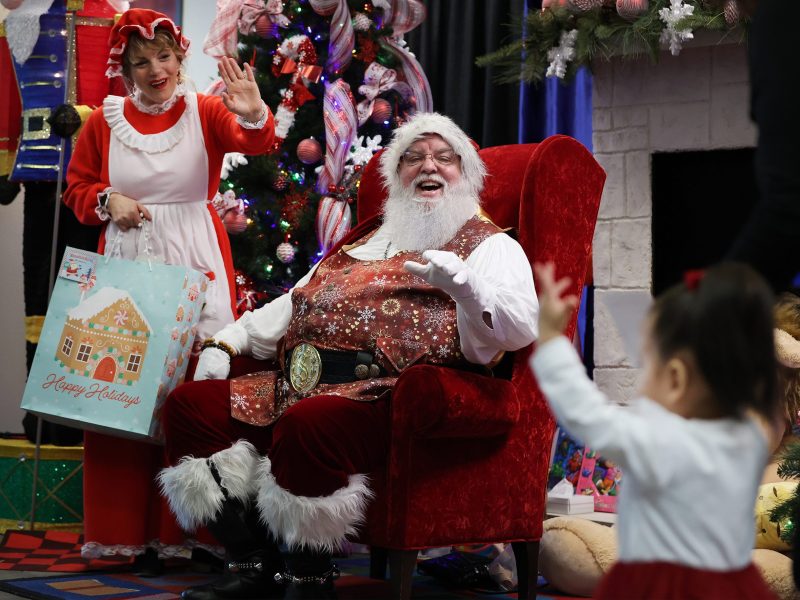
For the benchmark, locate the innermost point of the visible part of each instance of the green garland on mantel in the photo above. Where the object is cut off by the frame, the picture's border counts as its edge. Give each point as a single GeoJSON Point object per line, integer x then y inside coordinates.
{"type": "Point", "coordinates": [601, 34]}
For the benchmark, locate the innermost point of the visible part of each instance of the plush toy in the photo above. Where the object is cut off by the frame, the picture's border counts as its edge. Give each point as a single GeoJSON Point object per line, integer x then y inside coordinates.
{"type": "Point", "coordinates": [776, 569]}
{"type": "Point", "coordinates": [575, 553]}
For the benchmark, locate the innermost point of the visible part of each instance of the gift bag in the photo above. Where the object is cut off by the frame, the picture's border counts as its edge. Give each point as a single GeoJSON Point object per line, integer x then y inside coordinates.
{"type": "Point", "coordinates": [115, 341]}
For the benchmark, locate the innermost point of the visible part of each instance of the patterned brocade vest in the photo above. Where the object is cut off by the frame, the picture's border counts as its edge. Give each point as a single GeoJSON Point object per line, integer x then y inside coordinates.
{"type": "Point", "coordinates": [374, 306]}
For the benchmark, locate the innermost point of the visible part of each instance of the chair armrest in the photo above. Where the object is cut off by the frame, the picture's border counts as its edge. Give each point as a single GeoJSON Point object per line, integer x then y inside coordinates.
{"type": "Point", "coordinates": [438, 402]}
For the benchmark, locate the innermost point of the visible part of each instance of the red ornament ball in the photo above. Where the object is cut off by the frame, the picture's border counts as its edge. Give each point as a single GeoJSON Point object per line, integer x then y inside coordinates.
{"type": "Point", "coordinates": [285, 252]}
{"type": "Point", "coordinates": [631, 9]}
{"type": "Point", "coordinates": [235, 222]}
{"type": "Point", "coordinates": [309, 151]}
{"type": "Point", "coordinates": [381, 111]}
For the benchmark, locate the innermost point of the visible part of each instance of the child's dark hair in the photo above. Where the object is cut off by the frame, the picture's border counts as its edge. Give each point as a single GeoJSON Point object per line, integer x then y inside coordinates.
{"type": "Point", "coordinates": [725, 321]}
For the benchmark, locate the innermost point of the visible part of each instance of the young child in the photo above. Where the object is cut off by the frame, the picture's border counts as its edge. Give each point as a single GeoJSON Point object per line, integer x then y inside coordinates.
{"type": "Point", "coordinates": [692, 447]}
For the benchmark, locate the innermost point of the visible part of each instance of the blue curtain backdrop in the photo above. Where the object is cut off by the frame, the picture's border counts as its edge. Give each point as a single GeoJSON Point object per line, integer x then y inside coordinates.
{"type": "Point", "coordinates": [557, 107]}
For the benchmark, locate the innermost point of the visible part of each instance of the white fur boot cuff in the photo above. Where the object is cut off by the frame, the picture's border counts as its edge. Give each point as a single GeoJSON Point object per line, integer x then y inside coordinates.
{"type": "Point", "coordinates": [193, 494]}
{"type": "Point", "coordinates": [316, 523]}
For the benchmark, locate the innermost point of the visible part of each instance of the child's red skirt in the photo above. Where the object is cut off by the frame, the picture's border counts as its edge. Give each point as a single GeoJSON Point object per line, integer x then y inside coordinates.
{"type": "Point", "coordinates": [668, 581]}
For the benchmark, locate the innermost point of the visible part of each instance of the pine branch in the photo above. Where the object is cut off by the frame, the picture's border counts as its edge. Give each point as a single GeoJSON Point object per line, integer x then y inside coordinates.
{"type": "Point", "coordinates": [788, 511]}
{"type": "Point", "coordinates": [602, 33]}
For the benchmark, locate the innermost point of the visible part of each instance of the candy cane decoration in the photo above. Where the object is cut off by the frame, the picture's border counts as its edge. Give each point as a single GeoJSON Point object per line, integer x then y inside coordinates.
{"type": "Point", "coordinates": [342, 38]}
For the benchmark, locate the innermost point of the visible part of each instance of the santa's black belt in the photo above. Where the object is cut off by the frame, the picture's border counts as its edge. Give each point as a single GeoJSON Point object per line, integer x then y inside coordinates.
{"type": "Point", "coordinates": [307, 366]}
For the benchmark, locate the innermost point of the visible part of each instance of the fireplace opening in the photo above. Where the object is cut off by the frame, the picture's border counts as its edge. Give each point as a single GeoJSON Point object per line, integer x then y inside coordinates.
{"type": "Point", "coordinates": [701, 200]}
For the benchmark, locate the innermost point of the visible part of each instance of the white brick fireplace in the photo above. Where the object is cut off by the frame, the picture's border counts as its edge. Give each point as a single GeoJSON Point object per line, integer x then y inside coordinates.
{"type": "Point", "coordinates": [698, 100]}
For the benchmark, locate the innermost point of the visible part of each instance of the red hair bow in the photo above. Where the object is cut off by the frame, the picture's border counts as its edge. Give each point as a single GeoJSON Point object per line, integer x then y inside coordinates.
{"type": "Point", "coordinates": [692, 278]}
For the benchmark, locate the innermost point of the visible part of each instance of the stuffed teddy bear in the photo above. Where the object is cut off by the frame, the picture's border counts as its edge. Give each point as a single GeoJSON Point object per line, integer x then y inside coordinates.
{"type": "Point", "coordinates": [575, 553]}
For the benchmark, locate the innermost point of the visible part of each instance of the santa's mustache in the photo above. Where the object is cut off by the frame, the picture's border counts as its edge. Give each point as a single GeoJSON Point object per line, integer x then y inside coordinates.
{"type": "Point", "coordinates": [423, 179]}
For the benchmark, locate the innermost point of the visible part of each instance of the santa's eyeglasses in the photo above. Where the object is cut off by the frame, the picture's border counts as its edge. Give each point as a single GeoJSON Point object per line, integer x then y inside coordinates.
{"type": "Point", "coordinates": [415, 159]}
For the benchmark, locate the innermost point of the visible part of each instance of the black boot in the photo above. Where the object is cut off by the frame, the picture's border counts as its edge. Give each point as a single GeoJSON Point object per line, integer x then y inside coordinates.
{"type": "Point", "coordinates": [310, 575]}
{"type": "Point", "coordinates": [252, 558]}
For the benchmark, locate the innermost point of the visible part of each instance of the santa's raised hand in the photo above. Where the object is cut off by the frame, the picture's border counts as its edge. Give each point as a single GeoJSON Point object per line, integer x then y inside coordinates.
{"type": "Point", "coordinates": [445, 271]}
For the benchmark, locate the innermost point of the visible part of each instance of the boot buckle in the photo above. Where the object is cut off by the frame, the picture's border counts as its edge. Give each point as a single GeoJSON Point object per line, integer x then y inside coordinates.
{"type": "Point", "coordinates": [237, 567]}
{"type": "Point", "coordinates": [289, 577]}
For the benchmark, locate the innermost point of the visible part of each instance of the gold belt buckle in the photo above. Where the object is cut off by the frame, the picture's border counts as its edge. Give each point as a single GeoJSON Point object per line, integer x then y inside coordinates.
{"type": "Point", "coordinates": [305, 368]}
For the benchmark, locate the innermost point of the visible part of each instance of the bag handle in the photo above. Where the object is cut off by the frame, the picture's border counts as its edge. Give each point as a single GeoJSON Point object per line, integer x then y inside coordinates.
{"type": "Point", "coordinates": [116, 244]}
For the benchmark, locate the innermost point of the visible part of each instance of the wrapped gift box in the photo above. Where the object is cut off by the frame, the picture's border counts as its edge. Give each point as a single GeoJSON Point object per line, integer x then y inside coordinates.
{"type": "Point", "coordinates": [59, 491]}
{"type": "Point", "coordinates": [572, 505]}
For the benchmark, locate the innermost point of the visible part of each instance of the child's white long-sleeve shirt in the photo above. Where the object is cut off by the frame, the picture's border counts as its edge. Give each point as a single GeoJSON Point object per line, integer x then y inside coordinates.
{"type": "Point", "coordinates": [689, 485]}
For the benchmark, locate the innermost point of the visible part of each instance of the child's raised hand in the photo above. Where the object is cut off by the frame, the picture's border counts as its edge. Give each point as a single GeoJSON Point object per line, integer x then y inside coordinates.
{"type": "Point", "coordinates": [554, 307]}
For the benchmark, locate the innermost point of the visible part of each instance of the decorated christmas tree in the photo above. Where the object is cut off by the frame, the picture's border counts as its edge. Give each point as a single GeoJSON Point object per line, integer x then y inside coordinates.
{"type": "Point", "coordinates": [338, 77]}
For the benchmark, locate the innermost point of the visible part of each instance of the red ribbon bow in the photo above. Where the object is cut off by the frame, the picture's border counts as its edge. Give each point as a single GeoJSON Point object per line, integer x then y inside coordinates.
{"type": "Point", "coordinates": [692, 278]}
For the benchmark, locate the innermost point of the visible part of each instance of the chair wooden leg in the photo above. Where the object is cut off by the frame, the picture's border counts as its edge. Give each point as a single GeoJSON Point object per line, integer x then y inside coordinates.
{"type": "Point", "coordinates": [378, 558]}
{"type": "Point", "coordinates": [527, 556]}
{"type": "Point", "coordinates": [401, 570]}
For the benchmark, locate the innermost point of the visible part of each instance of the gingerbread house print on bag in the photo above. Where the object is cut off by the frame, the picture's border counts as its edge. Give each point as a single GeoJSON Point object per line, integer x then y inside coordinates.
{"type": "Point", "coordinates": [105, 337]}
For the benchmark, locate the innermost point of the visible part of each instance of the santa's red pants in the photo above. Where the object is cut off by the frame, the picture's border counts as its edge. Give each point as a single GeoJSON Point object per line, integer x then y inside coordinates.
{"type": "Point", "coordinates": [313, 447]}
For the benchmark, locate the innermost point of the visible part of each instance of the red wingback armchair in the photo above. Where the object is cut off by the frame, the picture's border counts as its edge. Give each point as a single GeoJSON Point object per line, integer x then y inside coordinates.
{"type": "Point", "coordinates": [469, 454]}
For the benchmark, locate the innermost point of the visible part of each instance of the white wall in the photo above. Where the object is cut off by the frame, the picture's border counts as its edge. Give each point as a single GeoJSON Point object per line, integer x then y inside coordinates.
{"type": "Point", "coordinates": [12, 315]}
{"type": "Point", "coordinates": [197, 17]}
{"type": "Point", "coordinates": [698, 100]}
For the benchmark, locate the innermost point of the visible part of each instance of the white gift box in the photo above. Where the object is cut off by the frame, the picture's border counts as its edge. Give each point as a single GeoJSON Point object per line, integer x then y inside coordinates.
{"type": "Point", "coordinates": [571, 505]}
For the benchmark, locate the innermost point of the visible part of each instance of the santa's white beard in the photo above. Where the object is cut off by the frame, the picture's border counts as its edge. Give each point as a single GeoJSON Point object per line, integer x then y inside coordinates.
{"type": "Point", "coordinates": [418, 224]}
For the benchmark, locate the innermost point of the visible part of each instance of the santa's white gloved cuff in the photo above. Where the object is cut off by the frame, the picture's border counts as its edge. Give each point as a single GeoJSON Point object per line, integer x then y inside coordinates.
{"type": "Point", "coordinates": [481, 299]}
{"type": "Point", "coordinates": [236, 336]}
{"type": "Point", "coordinates": [213, 364]}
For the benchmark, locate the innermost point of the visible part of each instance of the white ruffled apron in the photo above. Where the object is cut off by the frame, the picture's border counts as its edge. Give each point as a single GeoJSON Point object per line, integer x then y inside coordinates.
{"type": "Point", "coordinates": [168, 173]}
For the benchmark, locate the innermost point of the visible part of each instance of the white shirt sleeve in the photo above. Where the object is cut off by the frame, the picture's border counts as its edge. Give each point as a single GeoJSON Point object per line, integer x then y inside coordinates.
{"type": "Point", "coordinates": [257, 332]}
{"type": "Point", "coordinates": [637, 437]}
{"type": "Point", "coordinates": [506, 293]}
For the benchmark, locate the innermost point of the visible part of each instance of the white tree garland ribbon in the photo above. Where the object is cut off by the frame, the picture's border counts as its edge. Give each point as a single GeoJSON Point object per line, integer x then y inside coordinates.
{"type": "Point", "coordinates": [333, 222]}
{"type": "Point", "coordinates": [253, 9]}
{"type": "Point", "coordinates": [222, 35]}
{"type": "Point", "coordinates": [341, 124]}
{"type": "Point", "coordinates": [402, 15]}
{"type": "Point", "coordinates": [413, 74]}
{"type": "Point", "coordinates": [342, 37]}
{"type": "Point", "coordinates": [377, 80]}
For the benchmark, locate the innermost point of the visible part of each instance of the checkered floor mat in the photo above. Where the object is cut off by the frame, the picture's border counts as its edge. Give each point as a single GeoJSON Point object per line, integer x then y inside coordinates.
{"type": "Point", "coordinates": [50, 551]}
